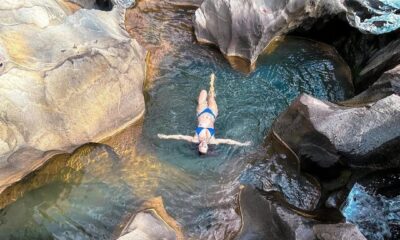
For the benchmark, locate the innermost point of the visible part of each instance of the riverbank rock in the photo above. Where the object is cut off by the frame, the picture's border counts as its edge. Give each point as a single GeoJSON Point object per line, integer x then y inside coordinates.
{"type": "Point", "coordinates": [245, 28]}
{"type": "Point", "coordinates": [387, 84]}
{"type": "Point", "coordinates": [341, 231]}
{"type": "Point", "coordinates": [383, 60]}
{"type": "Point", "coordinates": [152, 222]}
{"type": "Point", "coordinates": [323, 133]}
{"type": "Point", "coordinates": [65, 79]}
{"type": "Point", "coordinates": [264, 219]}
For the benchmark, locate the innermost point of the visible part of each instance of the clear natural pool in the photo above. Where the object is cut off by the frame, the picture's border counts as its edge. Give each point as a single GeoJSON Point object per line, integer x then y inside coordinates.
{"type": "Point", "coordinates": [88, 195]}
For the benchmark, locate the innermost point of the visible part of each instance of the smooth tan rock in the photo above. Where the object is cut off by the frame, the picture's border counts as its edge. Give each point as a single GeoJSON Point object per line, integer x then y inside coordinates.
{"type": "Point", "coordinates": [65, 79]}
{"type": "Point", "coordinates": [152, 222]}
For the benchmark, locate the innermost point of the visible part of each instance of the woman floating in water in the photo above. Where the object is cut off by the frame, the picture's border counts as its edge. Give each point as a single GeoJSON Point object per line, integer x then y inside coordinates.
{"type": "Point", "coordinates": [207, 112]}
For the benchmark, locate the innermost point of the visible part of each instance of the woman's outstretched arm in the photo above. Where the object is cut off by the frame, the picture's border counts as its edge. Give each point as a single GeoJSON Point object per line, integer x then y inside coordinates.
{"type": "Point", "coordinates": [229, 141]}
{"type": "Point", "coordinates": [178, 137]}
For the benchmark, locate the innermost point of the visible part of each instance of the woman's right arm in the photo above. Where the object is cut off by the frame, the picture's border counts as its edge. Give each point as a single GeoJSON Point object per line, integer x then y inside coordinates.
{"type": "Point", "coordinates": [178, 137]}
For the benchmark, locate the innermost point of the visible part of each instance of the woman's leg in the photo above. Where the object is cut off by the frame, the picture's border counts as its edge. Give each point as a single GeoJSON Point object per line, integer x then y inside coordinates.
{"type": "Point", "coordinates": [202, 101]}
{"type": "Point", "coordinates": [212, 103]}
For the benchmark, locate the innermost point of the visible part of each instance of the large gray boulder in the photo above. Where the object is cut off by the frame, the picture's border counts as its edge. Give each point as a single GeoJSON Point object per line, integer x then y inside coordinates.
{"type": "Point", "coordinates": [65, 79]}
{"type": "Point", "coordinates": [265, 219]}
{"type": "Point", "coordinates": [323, 133]}
{"type": "Point", "coordinates": [245, 28]}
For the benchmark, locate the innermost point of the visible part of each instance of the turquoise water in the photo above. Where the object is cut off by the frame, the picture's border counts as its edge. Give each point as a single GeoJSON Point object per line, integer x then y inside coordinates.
{"type": "Point", "coordinates": [374, 205]}
{"type": "Point", "coordinates": [198, 191]}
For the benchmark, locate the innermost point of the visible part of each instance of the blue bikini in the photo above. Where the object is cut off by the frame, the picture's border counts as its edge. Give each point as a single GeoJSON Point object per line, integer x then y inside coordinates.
{"type": "Point", "coordinates": [207, 110]}
{"type": "Point", "coordinates": [211, 130]}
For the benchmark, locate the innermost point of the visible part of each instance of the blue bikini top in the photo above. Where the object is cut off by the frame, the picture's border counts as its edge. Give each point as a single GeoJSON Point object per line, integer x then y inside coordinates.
{"type": "Point", "coordinates": [207, 110]}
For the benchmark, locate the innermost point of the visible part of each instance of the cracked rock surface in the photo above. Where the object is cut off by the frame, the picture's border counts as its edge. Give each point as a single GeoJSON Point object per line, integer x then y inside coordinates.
{"type": "Point", "coordinates": [66, 78]}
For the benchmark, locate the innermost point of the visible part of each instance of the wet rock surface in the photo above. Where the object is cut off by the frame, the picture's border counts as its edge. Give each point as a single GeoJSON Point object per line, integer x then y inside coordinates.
{"type": "Point", "coordinates": [147, 226]}
{"type": "Point", "coordinates": [280, 173]}
{"type": "Point", "coordinates": [386, 85]}
{"type": "Point", "coordinates": [343, 231]}
{"type": "Point", "coordinates": [383, 60]}
{"type": "Point", "coordinates": [264, 219]}
{"type": "Point", "coordinates": [373, 204]}
{"type": "Point", "coordinates": [373, 16]}
{"type": "Point", "coordinates": [152, 222]}
{"type": "Point", "coordinates": [84, 88]}
{"type": "Point", "coordinates": [244, 29]}
{"type": "Point", "coordinates": [368, 136]}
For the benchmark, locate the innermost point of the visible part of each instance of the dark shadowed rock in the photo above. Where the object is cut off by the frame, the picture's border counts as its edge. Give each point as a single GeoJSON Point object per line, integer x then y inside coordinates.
{"type": "Point", "coordinates": [387, 84]}
{"type": "Point", "coordinates": [264, 219]}
{"type": "Point", "coordinates": [341, 231]}
{"type": "Point", "coordinates": [245, 28]}
{"type": "Point", "coordinates": [103, 4]}
{"type": "Point", "coordinates": [323, 133]}
{"type": "Point", "coordinates": [383, 60]}
{"type": "Point", "coordinates": [266, 215]}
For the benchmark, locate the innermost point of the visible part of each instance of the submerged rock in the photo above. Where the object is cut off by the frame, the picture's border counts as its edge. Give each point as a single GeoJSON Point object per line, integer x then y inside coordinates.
{"type": "Point", "coordinates": [65, 79]}
{"type": "Point", "coordinates": [152, 222]}
{"type": "Point", "coordinates": [341, 231]}
{"type": "Point", "coordinates": [244, 28]}
{"type": "Point", "coordinates": [322, 133]}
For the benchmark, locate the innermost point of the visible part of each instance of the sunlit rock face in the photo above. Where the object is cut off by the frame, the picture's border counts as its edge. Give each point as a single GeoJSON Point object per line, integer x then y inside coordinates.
{"type": "Point", "coordinates": [323, 133]}
{"type": "Point", "coordinates": [65, 78]}
{"type": "Point", "coordinates": [245, 28]}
